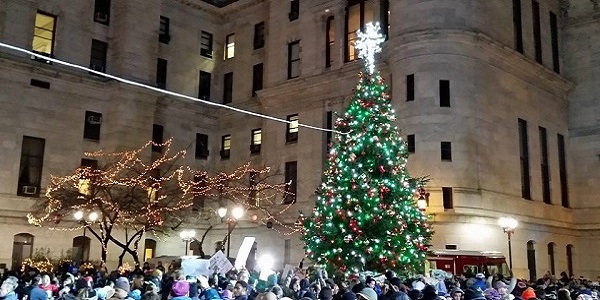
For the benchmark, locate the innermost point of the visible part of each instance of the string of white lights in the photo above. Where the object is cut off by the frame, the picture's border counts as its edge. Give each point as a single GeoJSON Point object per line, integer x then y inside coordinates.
{"type": "Point", "coordinates": [68, 64]}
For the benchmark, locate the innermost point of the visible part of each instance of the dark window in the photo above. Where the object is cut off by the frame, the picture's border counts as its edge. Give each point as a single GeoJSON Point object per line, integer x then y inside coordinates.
{"type": "Point", "coordinates": [291, 134]}
{"type": "Point", "coordinates": [291, 179]}
{"type": "Point", "coordinates": [329, 41]}
{"type": "Point", "coordinates": [451, 247]}
{"type": "Point", "coordinates": [259, 35]}
{"type": "Point", "coordinates": [163, 32]}
{"type": "Point", "coordinates": [201, 146]}
{"type": "Point", "coordinates": [157, 137]}
{"type": "Point", "coordinates": [40, 83]}
{"type": "Point", "coordinates": [256, 142]}
{"type": "Point", "coordinates": [98, 56]}
{"type": "Point", "coordinates": [43, 35]}
{"type": "Point", "coordinates": [551, 258]}
{"type": "Point", "coordinates": [257, 78]}
{"type": "Point", "coordinates": [253, 194]}
{"type": "Point", "coordinates": [204, 86]}
{"type": "Point", "coordinates": [294, 10]}
{"type": "Point", "coordinates": [570, 260]}
{"type": "Point", "coordinates": [446, 152]}
{"type": "Point", "coordinates": [293, 59]}
{"type": "Point", "coordinates": [447, 197]}
{"type": "Point", "coordinates": [444, 93]}
{"type": "Point", "coordinates": [537, 34]}
{"type": "Point", "coordinates": [517, 26]}
{"type": "Point", "coordinates": [524, 156]}
{"type": "Point", "coordinates": [206, 44]}
{"type": "Point", "coordinates": [91, 127]}
{"type": "Point", "coordinates": [102, 11]}
{"type": "Point", "coordinates": [531, 260]}
{"type": "Point", "coordinates": [544, 166]}
{"type": "Point", "coordinates": [385, 18]}
{"type": "Point", "coordinates": [225, 147]}
{"type": "Point", "coordinates": [161, 73]}
{"type": "Point", "coordinates": [30, 169]}
{"type": "Point", "coordinates": [410, 87]}
{"type": "Point", "coordinates": [562, 166]}
{"type": "Point", "coordinates": [230, 46]}
{"type": "Point", "coordinates": [554, 39]}
{"type": "Point", "coordinates": [228, 87]}
{"type": "Point", "coordinates": [89, 163]}
{"type": "Point", "coordinates": [410, 141]}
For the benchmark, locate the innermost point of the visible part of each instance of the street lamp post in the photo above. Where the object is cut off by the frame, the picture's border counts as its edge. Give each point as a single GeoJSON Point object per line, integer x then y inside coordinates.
{"type": "Point", "coordinates": [236, 214]}
{"type": "Point", "coordinates": [508, 224]}
{"type": "Point", "coordinates": [187, 236]}
{"type": "Point", "coordinates": [79, 216]}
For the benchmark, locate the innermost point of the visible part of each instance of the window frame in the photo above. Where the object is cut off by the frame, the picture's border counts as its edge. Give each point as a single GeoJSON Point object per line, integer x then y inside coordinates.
{"type": "Point", "coordinates": [329, 40]}
{"type": "Point", "coordinates": [291, 176]}
{"type": "Point", "coordinates": [225, 152]}
{"type": "Point", "coordinates": [92, 126]}
{"type": "Point", "coordinates": [524, 159]}
{"type": "Point", "coordinates": [444, 93]}
{"type": "Point", "coordinates": [446, 151]}
{"type": "Point", "coordinates": [202, 151]}
{"type": "Point", "coordinates": [157, 137]}
{"type": "Point", "coordinates": [164, 30]}
{"type": "Point", "coordinates": [292, 128]}
{"type": "Point", "coordinates": [229, 46]}
{"type": "Point", "coordinates": [204, 88]}
{"type": "Point", "coordinates": [102, 12]}
{"type": "Point", "coordinates": [52, 40]}
{"type": "Point", "coordinates": [228, 87]}
{"type": "Point", "coordinates": [98, 55]}
{"type": "Point", "coordinates": [259, 35]}
{"type": "Point", "coordinates": [257, 78]}
{"type": "Point", "coordinates": [410, 143]}
{"type": "Point", "coordinates": [161, 73]}
{"type": "Point", "coordinates": [206, 44]}
{"type": "Point", "coordinates": [294, 13]}
{"type": "Point", "coordinates": [293, 61]}
{"type": "Point", "coordinates": [24, 156]}
{"type": "Point", "coordinates": [255, 146]}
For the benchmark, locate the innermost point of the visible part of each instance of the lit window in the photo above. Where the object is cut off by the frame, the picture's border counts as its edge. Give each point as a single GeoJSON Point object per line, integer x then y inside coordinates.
{"type": "Point", "coordinates": [358, 13]}
{"type": "Point", "coordinates": [291, 136]}
{"type": "Point", "coordinates": [257, 136]}
{"type": "Point", "coordinates": [43, 34]}
{"type": "Point", "coordinates": [229, 46]}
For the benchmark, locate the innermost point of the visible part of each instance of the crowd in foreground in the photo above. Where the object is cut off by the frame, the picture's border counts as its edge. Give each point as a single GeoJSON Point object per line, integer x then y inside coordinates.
{"type": "Point", "coordinates": [147, 283]}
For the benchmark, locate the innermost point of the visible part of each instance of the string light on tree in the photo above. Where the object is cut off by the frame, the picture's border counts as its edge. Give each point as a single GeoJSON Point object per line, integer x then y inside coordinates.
{"type": "Point", "coordinates": [137, 195]}
{"type": "Point", "coordinates": [366, 216]}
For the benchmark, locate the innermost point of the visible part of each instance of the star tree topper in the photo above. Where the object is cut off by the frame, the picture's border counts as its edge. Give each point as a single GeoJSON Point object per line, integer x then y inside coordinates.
{"type": "Point", "coordinates": [368, 43]}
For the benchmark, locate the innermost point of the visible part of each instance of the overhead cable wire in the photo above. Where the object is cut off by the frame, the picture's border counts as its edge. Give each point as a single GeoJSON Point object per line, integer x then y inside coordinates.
{"type": "Point", "coordinates": [164, 91]}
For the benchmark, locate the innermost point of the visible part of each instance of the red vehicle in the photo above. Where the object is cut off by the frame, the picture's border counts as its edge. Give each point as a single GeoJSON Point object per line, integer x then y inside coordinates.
{"type": "Point", "coordinates": [468, 262]}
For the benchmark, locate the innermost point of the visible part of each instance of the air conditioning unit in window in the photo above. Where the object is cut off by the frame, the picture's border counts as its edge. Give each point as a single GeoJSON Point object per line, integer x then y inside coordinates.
{"type": "Point", "coordinates": [100, 17]}
{"type": "Point", "coordinates": [97, 68]}
{"type": "Point", "coordinates": [29, 190]}
{"type": "Point", "coordinates": [206, 53]}
{"type": "Point", "coordinates": [94, 120]}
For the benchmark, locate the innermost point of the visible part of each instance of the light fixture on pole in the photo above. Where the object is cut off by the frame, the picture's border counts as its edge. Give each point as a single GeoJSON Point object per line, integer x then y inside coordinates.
{"type": "Point", "coordinates": [236, 214]}
{"type": "Point", "coordinates": [508, 224]}
{"type": "Point", "coordinates": [187, 236]}
{"type": "Point", "coordinates": [80, 217]}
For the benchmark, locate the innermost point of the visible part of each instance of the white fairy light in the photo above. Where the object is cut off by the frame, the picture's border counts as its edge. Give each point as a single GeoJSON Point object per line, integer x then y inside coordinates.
{"type": "Point", "coordinates": [368, 43]}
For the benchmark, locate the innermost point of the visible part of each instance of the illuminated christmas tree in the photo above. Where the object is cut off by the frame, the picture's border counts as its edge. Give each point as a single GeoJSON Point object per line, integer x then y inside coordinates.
{"type": "Point", "coordinates": [366, 216]}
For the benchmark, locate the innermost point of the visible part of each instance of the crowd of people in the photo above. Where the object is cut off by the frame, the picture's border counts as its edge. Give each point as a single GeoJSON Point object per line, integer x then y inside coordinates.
{"type": "Point", "coordinates": [158, 283]}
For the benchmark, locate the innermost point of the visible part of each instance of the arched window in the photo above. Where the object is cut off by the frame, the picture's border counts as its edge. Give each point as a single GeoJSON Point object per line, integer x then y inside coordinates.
{"type": "Point", "coordinates": [531, 260]}
{"type": "Point", "coordinates": [22, 249]}
{"type": "Point", "coordinates": [551, 246]}
{"type": "Point", "coordinates": [570, 259]}
{"type": "Point", "coordinates": [81, 248]}
{"type": "Point", "coordinates": [149, 249]}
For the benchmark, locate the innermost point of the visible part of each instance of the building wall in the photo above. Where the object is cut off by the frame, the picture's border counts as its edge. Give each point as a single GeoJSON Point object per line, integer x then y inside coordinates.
{"type": "Point", "coordinates": [491, 87]}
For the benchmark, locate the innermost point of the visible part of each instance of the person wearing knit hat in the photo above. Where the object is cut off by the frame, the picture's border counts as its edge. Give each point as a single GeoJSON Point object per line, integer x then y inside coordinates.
{"type": "Point", "coordinates": [528, 294]}
{"type": "Point", "coordinates": [491, 294]}
{"type": "Point", "coordinates": [7, 290]}
{"type": "Point", "coordinates": [180, 290]}
{"type": "Point", "coordinates": [326, 293]}
{"type": "Point", "coordinates": [367, 294]}
{"type": "Point", "coordinates": [105, 293]}
{"type": "Point", "coordinates": [123, 283]}
{"type": "Point", "coordinates": [87, 293]}
{"type": "Point", "coordinates": [457, 293]}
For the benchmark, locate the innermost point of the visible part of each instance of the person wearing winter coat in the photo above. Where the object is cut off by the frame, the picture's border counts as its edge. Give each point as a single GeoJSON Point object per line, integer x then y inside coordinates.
{"type": "Point", "coordinates": [240, 290]}
{"type": "Point", "coordinates": [395, 292]}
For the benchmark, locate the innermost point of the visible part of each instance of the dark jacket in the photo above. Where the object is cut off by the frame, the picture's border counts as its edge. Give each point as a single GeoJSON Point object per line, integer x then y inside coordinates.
{"type": "Point", "coordinates": [393, 295]}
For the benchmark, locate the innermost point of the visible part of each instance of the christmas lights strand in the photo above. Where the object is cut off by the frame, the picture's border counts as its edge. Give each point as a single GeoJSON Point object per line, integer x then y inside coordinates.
{"type": "Point", "coordinates": [164, 91]}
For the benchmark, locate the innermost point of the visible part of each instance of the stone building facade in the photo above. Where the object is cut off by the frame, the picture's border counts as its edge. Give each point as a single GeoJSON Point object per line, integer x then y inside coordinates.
{"type": "Point", "coordinates": [497, 97]}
